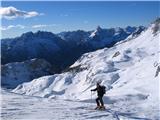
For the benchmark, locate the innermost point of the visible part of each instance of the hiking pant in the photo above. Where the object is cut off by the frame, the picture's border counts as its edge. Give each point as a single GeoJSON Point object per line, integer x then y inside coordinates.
{"type": "Point", "coordinates": [99, 101]}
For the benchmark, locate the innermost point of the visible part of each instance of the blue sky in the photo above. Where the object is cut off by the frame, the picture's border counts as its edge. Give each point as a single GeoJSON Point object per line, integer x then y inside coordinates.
{"type": "Point", "coordinates": [67, 16]}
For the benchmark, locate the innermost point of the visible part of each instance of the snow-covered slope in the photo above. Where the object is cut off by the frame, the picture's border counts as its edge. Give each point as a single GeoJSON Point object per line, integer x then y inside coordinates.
{"type": "Point", "coordinates": [16, 73]}
{"type": "Point", "coordinates": [21, 107]}
{"type": "Point", "coordinates": [126, 69]}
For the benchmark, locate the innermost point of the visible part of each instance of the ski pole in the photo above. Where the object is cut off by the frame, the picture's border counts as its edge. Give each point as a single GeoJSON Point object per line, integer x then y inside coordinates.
{"type": "Point", "coordinates": [91, 95]}
{"type": "Point", "coordinates": [156, 64]}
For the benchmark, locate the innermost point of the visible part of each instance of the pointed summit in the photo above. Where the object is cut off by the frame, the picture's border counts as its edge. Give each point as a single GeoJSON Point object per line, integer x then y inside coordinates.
{"type": "Point", "coordinates": [28, 34]}
{"type": "Point", "coordinates": [95, 32]}
{"type": "Point", "coordinates": [98, 28]}
{"type": "Point", "coordinates": [157, 20]}
{"type": "Point", "coordinates": [156, 25]}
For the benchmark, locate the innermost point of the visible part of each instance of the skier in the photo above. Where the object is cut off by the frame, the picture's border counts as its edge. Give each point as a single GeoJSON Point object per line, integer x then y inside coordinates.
{"type": "Point", "coordinates": [100, 92]}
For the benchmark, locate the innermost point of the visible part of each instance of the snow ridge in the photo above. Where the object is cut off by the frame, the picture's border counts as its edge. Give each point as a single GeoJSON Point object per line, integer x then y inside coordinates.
{"type": "Point", "coordinates": [117, 68]}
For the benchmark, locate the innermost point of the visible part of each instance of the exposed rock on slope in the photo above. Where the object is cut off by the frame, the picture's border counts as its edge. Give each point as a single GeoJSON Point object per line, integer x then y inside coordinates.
{"type": "Point", "coordinates": [17, 73]}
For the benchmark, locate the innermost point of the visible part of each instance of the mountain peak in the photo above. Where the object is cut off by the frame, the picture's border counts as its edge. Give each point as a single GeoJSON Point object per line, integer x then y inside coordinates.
{"type": "Point", "coordinates": [157, 21]}
{"type": "Point", "coordinates": [44, 34]}
{"type": "Point", "coordinates": [27, 34]}
{"type": "Point", "coordinates": [156, 25]}
{"type": "Point", "coordinates": [39, 34]}
{"type": "Point", "coordinates": [98, 28]}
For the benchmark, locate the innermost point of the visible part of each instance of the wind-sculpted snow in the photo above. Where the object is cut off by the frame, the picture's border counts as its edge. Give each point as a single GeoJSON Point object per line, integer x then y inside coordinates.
{"type": "Point", "coordinates": [126, 68]}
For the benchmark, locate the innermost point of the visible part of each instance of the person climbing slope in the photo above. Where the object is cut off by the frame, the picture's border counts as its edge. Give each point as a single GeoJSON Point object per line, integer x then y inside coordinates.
{"type": "Point", "coordinates": [100, 92]}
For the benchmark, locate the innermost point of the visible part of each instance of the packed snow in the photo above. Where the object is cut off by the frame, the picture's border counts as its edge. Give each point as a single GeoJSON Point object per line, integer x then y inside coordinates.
{"type": "Point", "coordinates": [22, 107]}
{"type": "Point", "coordinates": [126, 69]}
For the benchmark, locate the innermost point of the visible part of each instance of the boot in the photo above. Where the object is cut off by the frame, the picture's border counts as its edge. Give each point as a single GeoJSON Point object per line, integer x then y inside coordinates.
{"type": "Point", "coordinates": [98, 107]}
{"type": "Point", "coordinates": [102, 108]}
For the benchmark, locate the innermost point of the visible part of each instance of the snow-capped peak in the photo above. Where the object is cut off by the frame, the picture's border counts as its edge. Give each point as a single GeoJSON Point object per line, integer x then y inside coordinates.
{"type": "Point", "coordinates": [95, 32]}
{"type": "Point", "coordinates": [156, 26]}
{"type": "Point", "coordinates": [98, 28]}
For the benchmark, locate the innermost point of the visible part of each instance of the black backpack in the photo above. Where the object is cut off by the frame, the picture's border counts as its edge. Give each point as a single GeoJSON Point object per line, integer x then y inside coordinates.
{"type": "Point", "coordinates": [103, 89]}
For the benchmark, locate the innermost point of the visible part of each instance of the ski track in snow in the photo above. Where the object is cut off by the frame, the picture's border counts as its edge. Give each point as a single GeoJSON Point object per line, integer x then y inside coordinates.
{"type": "Point", "coordinates": [22, 107]}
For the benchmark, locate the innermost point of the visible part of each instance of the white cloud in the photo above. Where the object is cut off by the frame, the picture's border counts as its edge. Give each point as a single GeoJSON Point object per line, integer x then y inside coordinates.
{"type": "Point", "coordinates": [3, 28]}
{"type": "Point", "coordinates": [43, 26]}
{"type": "Point", "coordinates": [38, 26]}
{"type": "Point", "coordinates": [12, 12]}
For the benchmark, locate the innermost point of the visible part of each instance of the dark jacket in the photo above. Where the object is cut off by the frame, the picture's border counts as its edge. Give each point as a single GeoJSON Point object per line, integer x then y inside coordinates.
{"type": "Point", "coordinates": [99, 91]}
